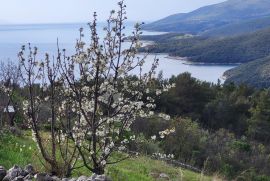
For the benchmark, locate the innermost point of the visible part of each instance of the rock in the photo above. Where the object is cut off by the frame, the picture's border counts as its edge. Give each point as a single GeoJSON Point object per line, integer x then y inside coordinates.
{"type": "Point", "coordinates": [82, 178]}
{"type": "Point", "coordinates": [73, 179]}
{"type": "Point", "coordinates": [96, 177]}
{"type": "Point", "coordinates": [19, 178]}
{"type": "Point", "coordinates": [24, 173]}
{"type": "Point", "coordinates": [43, 177]}
{"type": "Point", "coordinates": [164, 176]}
{"type": "Point", "coordinates": [16, 173]}
{"type": "Point", "coordinates": [6, 178]}
{"type": "Point", "coordinates": [29, 177]}
{"type": "Point", "coordinates": [55, 178]}
{"type": "Point", "coordinates": [3, 173]}
{"type": "Point", "coordinates": [13, 173]}
{"type": "Point", "coordinates": [48, 178]}
{"type": "Point", "coordinates": [69, 179]}
{"type": "Point", "coordinates": [29, 169]}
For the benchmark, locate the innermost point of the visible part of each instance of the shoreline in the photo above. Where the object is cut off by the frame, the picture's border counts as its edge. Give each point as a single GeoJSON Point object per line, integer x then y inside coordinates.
{"type": "Point", "coordinates": [224, 77]}
{"type": "Point", "coordinates": [146, 43]}
{"type": "Point", "coordinates": [189, 62]}
{"type": "Point", "coordinates": [186, 60]}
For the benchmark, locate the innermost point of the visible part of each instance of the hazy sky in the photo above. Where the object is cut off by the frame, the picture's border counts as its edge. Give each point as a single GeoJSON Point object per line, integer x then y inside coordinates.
{"type": "Point", "coordinates": [53, 11]}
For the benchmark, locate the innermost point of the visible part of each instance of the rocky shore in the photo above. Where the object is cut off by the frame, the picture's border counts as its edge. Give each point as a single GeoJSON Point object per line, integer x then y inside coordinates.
{"type": "Point", "coordinates": [17, 173]}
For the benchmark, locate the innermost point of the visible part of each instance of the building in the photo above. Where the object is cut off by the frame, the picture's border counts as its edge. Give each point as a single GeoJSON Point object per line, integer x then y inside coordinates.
{"type": "Point", "coordinates": [7, 116]}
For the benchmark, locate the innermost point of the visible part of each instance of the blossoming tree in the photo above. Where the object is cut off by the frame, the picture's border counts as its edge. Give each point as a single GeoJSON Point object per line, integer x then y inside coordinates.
{"type": "Point", "coordinates": [101, 96]}
{"type": "Point", "coordinates": [44, 84]}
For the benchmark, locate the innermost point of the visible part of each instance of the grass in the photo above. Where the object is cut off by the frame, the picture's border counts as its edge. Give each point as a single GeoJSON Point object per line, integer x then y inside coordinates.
{"type": "Point", "coordinates": [17, 150]}
{"type": "Point", "coordinates": [22, 151]}
{"type": "Point", "coordinates": [144, 168]}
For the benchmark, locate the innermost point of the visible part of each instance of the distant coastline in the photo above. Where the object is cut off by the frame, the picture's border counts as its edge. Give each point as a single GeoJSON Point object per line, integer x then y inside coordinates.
{"type": "Point", "coordinates": [147, 43]}
{"type": "Point", "coordinates": [187, 61]}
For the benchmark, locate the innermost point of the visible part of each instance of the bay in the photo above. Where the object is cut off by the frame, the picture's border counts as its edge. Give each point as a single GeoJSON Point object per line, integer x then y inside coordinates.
{"type": "Point", "coordinates": [45, 36]}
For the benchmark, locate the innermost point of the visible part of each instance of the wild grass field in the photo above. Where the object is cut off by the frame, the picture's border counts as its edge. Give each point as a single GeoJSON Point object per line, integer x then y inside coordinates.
{"type": "Point", "coordinates": [21, 150]}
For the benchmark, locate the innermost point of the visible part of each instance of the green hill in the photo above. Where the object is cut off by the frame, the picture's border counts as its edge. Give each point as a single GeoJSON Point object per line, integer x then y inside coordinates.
{"type": "Point", "coordinates": [235, 49]}
{"type": "Point", "coordinates": [213, 16]}
{"type": "Point", "coordinates": [255, 73]}
{"type": "Point", "coordinates": [238, 28]}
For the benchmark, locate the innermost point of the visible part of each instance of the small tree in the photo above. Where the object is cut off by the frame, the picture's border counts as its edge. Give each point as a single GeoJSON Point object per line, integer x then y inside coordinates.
{"type": "Point", "coordinates": [106, 97]}
{"type": "Point", "coordinates": [93, 95]}
{"type": "Point", "coordinates": [44, 85]}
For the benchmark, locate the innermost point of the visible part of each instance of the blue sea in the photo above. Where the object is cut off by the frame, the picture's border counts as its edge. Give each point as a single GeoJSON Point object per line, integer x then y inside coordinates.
{"type": "Point", "coordinates": [45, 36]}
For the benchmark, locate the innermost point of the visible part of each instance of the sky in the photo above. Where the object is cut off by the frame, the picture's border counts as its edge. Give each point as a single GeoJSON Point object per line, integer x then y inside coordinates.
{"type": "Point", "coordinates": [65, 11]}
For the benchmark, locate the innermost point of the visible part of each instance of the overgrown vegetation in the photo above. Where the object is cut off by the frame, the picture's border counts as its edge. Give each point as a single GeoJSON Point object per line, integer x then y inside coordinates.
{"type": "Point", "coordinates": [222, 128]}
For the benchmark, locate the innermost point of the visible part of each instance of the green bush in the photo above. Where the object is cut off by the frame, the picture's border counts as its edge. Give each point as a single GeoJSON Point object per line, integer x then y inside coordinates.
{"type": "Point", "coordinates": [145, 146]}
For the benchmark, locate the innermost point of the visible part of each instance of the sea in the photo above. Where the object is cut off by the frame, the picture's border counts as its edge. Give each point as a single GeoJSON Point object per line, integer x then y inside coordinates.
{"type": "Point", "coordinates": [45, 36]}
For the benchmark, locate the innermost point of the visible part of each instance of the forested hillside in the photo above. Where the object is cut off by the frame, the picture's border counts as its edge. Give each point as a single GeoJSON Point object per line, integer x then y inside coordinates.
{"type": "Point", "coordinates": [238, 28]}
{"type": "Point", "coordinates": [236, 49]}
{"type": "Point", "coordinates": [255, 73]}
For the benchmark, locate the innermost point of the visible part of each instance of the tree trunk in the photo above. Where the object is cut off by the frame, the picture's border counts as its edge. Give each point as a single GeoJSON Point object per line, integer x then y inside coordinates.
{"type": "Point", "coordinates": [99, 170]}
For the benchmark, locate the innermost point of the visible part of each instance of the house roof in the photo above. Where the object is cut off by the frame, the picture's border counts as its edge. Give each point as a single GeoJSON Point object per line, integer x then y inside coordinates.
{"type": "Point", "coordinates": [9, 109]}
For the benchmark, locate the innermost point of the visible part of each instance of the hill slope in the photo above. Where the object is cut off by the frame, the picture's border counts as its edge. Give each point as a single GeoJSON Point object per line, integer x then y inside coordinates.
{"type": "Point", "coordinates": [210, 17]}
{"type": "Point", "coordinates": [236, 49]}
{"type": "Point", "coordinates": [255, 74]}
{"type": "Point", "coordinates": [238, 28]}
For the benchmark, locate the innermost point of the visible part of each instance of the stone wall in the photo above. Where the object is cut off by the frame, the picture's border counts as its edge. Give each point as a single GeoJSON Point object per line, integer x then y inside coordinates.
{"type": "Point", "coordinates": [17, 173]}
